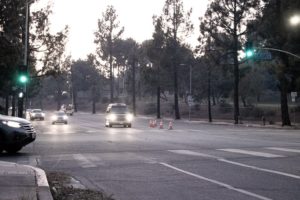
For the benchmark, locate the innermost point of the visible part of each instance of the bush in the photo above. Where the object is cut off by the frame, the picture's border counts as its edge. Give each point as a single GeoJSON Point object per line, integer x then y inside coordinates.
{"type": "Point", "coordinates": [150, 109]}
{"type": "Point", "coordinates": [225, 107]}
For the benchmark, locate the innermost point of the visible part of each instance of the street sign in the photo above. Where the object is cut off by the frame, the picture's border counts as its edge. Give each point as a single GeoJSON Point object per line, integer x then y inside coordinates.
{"type": "Point", "coordinates": [262, 55]}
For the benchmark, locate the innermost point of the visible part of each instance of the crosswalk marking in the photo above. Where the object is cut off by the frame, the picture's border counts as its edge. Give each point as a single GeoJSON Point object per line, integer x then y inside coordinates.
{"type": "Point", "coordinates": [284, 149]}
{"type": "Point", "coordinates": [192, 153]}
{"type": "Point", "coordinates": [253, 153]}
{"type": "Point", "coordinates": [83, 161]}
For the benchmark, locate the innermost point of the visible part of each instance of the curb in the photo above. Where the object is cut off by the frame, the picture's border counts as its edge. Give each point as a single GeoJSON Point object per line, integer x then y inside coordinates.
{"type": "Point", "coordinates": [43, 189]}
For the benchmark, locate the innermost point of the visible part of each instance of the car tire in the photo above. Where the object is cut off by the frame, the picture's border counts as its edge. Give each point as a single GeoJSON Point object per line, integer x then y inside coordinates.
{"type": "Point", "coordinates": [129, 125]}
{"type": "Point", "coordinates": [110, 126]}
{"type": "Point", "coordinates": [13, 150]}
{"type": "Point", "coordinates": [53, 123]}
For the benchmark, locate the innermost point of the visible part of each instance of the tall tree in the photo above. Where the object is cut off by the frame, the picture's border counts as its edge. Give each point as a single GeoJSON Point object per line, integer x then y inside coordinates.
{"type": "Point", "coordinates": [279, 34]}
{"type": "Point", "coordinates": [108, 32]}
{"type": "Point", "coordinates": [230, 16]}
{"type": "Point", "coordinates": [155, 53]}
{"type": "Point", "coordinates": [177, 24]}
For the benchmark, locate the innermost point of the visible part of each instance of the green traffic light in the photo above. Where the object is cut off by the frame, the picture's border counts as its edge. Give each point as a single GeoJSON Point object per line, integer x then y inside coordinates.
{"type": "Point", "coordinates": [23, 79]}
{"type": "Point", "coordinates": [249, 53]}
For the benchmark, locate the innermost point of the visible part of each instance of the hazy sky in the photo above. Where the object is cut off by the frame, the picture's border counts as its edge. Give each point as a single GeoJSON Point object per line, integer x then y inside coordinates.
{"type": "Point", "coordinates": [134, 15]}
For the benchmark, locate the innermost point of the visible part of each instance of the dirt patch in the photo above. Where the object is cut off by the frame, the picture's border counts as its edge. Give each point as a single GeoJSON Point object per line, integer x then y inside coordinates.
{"type": "Point", "coordinates": [62, 189]}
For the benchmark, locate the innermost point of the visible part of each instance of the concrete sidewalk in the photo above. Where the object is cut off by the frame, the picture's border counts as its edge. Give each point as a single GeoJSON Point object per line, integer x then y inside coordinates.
{"type": "Point", "coordinates": [23, 182]}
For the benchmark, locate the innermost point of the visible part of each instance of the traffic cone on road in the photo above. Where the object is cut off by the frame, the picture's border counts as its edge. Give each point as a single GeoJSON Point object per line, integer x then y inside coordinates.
{"type": "Point", "coordinates": [150, 123]}
{"type": "Point", "coordinates": [161, 125]}
{"type": "Point", "coordinates": [154, 123]}
{"type": "Point", "coordinates": [170, 125]}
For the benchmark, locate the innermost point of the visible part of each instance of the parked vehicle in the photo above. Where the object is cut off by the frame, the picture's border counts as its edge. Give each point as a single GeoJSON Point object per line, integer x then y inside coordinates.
{"type": "Point", "coordinates": [118, 114]}
{"type": "Point", "coordinates": [15, 133]}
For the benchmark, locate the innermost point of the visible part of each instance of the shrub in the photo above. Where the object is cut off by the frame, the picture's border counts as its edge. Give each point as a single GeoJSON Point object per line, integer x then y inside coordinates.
{"type": "Point", "coordinates": [225, 107]}
{"type": "Point", "coordinates": [150, 109]}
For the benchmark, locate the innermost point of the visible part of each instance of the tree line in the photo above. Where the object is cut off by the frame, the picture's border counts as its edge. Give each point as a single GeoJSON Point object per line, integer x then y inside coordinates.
{"type": "Point", "coordinates": [165, 63]}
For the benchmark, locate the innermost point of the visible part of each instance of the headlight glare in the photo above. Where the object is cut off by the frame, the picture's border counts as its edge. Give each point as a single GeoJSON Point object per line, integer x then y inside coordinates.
{"type": "Point", "coordinates": [65, 117]}
{"type": "Point", "coordinates": [12, 124]}
{"type": "Point", "coordinates": [112, 117]}
{"type": "Point", "coordinates": [129, 117]}
{"type": "Point", "coordinates": [54, 117]}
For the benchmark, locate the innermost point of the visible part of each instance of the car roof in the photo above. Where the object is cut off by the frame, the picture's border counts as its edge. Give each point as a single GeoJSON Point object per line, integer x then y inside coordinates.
{"type": "Point", "coordinates": [117, 104]}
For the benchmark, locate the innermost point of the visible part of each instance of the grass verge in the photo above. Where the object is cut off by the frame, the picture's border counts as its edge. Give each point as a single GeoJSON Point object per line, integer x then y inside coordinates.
{"type": "Point", "coordinates": [62, 189]}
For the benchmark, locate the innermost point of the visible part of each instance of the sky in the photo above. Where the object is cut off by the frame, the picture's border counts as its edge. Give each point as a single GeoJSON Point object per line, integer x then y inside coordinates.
{"type": "Point", "coordinates": [134, 15]}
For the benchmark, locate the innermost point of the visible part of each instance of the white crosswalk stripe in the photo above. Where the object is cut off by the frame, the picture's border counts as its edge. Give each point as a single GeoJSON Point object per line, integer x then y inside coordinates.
{"type": "Point", "coordinates": [84, 162]}
{"type": "Point", "coordinates": [253, 153]}
{"type": "Point", "coordinates": [284, 149]}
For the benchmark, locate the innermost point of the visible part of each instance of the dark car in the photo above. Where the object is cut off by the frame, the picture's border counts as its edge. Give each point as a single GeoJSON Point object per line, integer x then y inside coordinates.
{"type": "Point", "coordinates": [15, 133]}
{"type": "Point", "coordinates": [118, 114]}
{"type": "Point", "coordinates": [36, 114]}
{"type": "Point", "coordinates": [60, 117]}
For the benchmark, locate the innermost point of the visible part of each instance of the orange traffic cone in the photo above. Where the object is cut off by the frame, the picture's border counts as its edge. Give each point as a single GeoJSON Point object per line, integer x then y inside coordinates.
{"type": "Point", "coordinates": [170, 125]}
{"type": "Point", "coordinates": [161, 125]}
{"type": "Point", "coordinates": [151, 123]}
{"type": "Point", "coordinates": [154, 123]}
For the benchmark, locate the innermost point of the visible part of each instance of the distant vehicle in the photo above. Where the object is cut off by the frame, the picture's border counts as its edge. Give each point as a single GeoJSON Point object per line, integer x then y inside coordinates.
{"type": "Point", "coordinates": [69, 110]}
{"type": "Point", "coordinates": [60, 117]}
{"type": "Point", "coordinates": [36, 114]}
{"type": "Point", "coordinates": [118, 114]}
{"type": "Point", "coordinates": [15, 133]}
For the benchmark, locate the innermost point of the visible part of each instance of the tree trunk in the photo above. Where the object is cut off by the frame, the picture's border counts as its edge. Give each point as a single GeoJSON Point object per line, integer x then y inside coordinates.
{"type": "Point", "coordinates": [236, 70]}
{"type": "Point", "coordinates": [244, 101]}
{"type": "Point", "coordinates": [133, 88]}
{"type": "Point", "coordinates": [13, 104]}
{"type": "Point", "coordinates": [158, 103]}
{"type": "Point", "coordinates": [75, 100]}
{"type": "Point", "coordinates": [285, 118]}
{"type": "Point", "coordinates": [214, 97]}
{"type": "Point", "coordinates": [111, 75]}
{"type": "Point", "coordinates": [176, 105]}
{"type": "Point", "coordinates": [209, 94]}
{"type": "Point", "coordinates": [6, 104]}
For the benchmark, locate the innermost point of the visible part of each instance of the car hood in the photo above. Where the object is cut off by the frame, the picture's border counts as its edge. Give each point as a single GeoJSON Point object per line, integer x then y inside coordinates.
{"type": "Point", "coordinates": [15, 119]}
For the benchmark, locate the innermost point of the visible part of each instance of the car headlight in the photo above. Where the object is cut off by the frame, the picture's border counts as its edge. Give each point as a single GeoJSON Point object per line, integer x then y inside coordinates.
{"type": "Point", "coordinates": [12, 124]}
{"type": "Point", "coordinates": [33, 114]}
{"type": "Point", "coordinates": [65, 117]}
{"type": "Point", "coordinates": [129, 117]}
{"type": "Point", "coordinates": [112, 117]}
{"type": "Point", "coordinates": [43, 114]}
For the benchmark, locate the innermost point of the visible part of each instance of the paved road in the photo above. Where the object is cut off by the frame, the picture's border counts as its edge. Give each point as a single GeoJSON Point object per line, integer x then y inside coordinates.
{"type": "Point", "coordinates": [193, 161]}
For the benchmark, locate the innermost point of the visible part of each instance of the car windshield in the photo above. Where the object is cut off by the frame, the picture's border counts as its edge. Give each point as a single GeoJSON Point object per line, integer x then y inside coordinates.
{"type": "Point", "coordinates": [119, 109]}
{"type": "Point", "coordinates": [60, 113]}
{"type": "Point", "coordinates": [37, 111]}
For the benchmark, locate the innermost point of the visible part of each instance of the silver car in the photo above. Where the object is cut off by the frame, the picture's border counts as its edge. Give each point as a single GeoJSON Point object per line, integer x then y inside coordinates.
{"type": "Point", "coordinates": [60, 117]}
{"type": "Point", "coordinates": [118, 114]}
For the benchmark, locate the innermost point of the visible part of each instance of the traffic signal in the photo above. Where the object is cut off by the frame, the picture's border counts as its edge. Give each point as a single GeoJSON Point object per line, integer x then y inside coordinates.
{"type": "Point", "coordinates": [249, 50]}
{"type": "Point", "coordinates": [23, 77]}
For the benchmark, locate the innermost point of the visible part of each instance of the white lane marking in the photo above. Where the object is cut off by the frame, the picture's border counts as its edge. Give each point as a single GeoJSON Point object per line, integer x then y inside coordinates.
{"type": "Point", "coordinates": [188, 152]}
{"type": "Point", "coordinates": [284, 149]}
{"type": "Point", "coordinates": [253, 153]}
{"type": "Point", "coordinates": [217, 182]}
{"type": "Point", "coordinates": [260, 169]}
{"type": "Point", "coordinates": [192, 153]}
{"type": "Point", "coordinates": [83, 161]}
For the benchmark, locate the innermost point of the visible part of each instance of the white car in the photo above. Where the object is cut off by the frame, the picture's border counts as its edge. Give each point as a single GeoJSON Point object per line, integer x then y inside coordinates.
{"type": "Point", "coordinates": [118, 114]}
{"type": "Point", "coordinates": [59, 117]}
{"type": "Point", "coordinates": [36, 114]}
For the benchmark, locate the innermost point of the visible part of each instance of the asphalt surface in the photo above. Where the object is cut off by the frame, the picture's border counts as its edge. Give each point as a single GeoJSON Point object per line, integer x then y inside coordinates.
{"type": "Point", "coordinates": [192, 161]}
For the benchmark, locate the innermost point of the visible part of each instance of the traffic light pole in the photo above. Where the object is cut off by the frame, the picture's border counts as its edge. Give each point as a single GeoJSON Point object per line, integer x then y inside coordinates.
{"type": "Point", "coordinates": [25, 62]}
